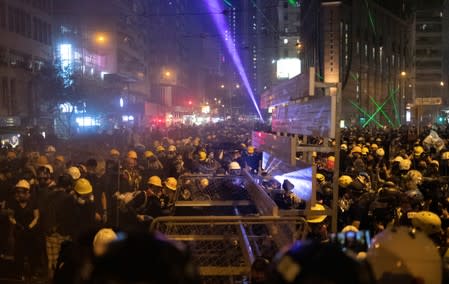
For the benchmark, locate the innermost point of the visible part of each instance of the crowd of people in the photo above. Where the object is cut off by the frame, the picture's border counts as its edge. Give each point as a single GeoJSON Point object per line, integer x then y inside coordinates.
{"type": "Point", "coordinates": [61, 205]}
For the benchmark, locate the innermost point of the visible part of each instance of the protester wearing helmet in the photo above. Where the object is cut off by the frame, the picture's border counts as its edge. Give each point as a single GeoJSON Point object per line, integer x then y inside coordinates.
{"type": "Point", "coordinates": [24, 214]}
{"type": "Point", "coordinates": [168, 194]}
{"type": "Point", "coordinates": [252, 159]}
{"type": "Point", "coordinates": [130, 176]}
{"type": "Point", "coordinates": [234, 169]}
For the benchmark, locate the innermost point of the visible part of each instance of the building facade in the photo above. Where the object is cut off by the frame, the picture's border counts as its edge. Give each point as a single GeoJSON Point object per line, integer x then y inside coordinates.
{"type": "Point", "coordinates": [367, 48]}
{"type": "Point", "coordinates": [25, 49]}
{"type": "Point", "coordinates": [103, 45]}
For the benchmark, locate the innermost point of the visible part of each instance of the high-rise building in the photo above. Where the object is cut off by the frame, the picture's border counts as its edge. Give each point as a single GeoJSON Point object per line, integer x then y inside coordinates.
{"type": "Point", "coordinates": [365, 47]}
{"type": "Point", "coordinates": [102, 43]}
{"type": "Point", "coordinates": [429, 74]}
{"type": "Point", "coordinates": [253, 29]}
{"type": "Point", "coordinates": [289, 45]}
{"type": "Point", "coordinates": [25, 50]}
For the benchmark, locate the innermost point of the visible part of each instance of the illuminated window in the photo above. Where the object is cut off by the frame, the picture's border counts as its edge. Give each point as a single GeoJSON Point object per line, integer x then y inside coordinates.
{"type": "Point", "coordinates": [65, 54]}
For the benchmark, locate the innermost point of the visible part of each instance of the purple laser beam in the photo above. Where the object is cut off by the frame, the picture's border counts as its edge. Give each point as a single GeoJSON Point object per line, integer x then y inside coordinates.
{"type": "Point", "coordinates": [220, 23]}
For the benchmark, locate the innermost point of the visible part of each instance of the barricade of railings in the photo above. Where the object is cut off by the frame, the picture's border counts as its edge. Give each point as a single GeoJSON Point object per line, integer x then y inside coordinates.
{"type": "Point", "coordinates": [223, 247]}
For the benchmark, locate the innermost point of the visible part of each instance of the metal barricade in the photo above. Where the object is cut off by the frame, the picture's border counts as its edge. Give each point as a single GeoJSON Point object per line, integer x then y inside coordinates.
{"type": "Point", "coordinates": [224, 247]}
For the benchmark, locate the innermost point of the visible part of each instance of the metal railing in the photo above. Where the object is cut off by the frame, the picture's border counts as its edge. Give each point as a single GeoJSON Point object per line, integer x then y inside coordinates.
{"type": "Point", "coordinates": [224, 247]}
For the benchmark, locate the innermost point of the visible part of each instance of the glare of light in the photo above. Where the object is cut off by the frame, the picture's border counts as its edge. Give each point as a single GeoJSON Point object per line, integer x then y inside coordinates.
{"type": "Point", "coordinates": [66, 107]}
{"type": "Point", "coordinates": [190, 103]}
{"type": "Point", "coordinates": [205, 109]}
{"type": "Point", "coordinates": [124, 118]}
{"type": "Point", "coordinates": [408, 116]}
{"type": "Point", "coordinates": [43, 134]}
{"type": "Point", "coordinates": [100, 38]}
{"type": "Point", "coordinates": [102, 74]}
{"type": "Point", "coordinates": [273, 61]}
{"type": "Point", "coordinates": [221, 25]}
{"type": "Point", "coordinates": [237, 86]}
{"type": "Point", "coordinates": [167, 74]}
{"type": "Point", "coordinates": [288, 68]}
{"type": "Point", "coordinates": [342, 123]}
{"type": "Point", "coordinates": [285, 40]}
{"type": "Point", "coordinates": [301, 179]}
{"type": "Point", "coordinates": [403, 73]}
{"type": "Point", "coordinates": [121, 102]}
{"type": "Point", "coordinates": [86, 121]}
{"type": "Point", "coordinates": [65, 54]}
{"type": "Point", "coordinates": [442, 84]}
{"type": "Point", "coordinates": [131, 118]}
{"type": "Point", "coordinates": [222, 86]}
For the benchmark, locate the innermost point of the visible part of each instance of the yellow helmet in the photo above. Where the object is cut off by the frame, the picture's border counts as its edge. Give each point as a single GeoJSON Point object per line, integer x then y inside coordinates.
{"type": "Point", "coordinates": [380, 152]}
{"type": "Point", "coordinates": [60, 158]}
{"type": "Point", "coordinates": [202, 155]}
{"type": "Point", "coordinates": [204, 182]}
{"type": "Point", "coordinates": [418, 150]}
{"type": "Point", "coordinates": [426, 221]}
{"type": "Point", "coordinates": [83, 186]}
{"type": "Point", "coordinates": [160, 148]}
{"type": "Point", "coordinates": [445, 156]}
{"type": "Point", "coordinates": [171, 148]}
{"type": "Point", "coordinates": [374, 147]}
{"type": "Point", "coordinates": [316, 219]}
{"type": "Point", "coordinates": [250, 149]}
{"type": "Point", "coordinates": [23, 184]}
{"type": "Point", "coordinates": [148, 154]}
{"type": "Point", "coordinates": [356, 149]}
{"type": "Point", "coordinates": [320, 177]}
{"type": "Point", "coordinates": [114, 152]}
{"type": "Point", "coordinates": [155, 180]}
{"type": "Point", "coordinates": [365, 151]}
{"type": "Point", "coordinates": [344, 181]}
{"type": "Point", "coordinates": [171, 183]}
{"type": "Point", "coordinates": [132, 154]}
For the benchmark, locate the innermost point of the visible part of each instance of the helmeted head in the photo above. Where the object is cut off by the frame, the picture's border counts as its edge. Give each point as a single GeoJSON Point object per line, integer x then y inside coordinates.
{"type": "Point", "coordinates": [155, 182]}
{"type": "Point", "coordinates": [171, 183]}
{"type": "Point", "coordinates": [102, 240]}
{"type": "Point", "coordinates": [83, 187]}
{"type": "Point", "coordinates": [404, 255]}
{"type": "Point", "coordinates": [234, 168]}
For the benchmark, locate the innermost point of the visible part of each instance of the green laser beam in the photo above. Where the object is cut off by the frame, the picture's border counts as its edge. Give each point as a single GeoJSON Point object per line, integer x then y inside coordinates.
{"type": "Point", "coordinates": [382, 111]}
{"type": "Point", "coordinates": [379, 108]}
{"type": "Point", "coordinates": [294, 3]}
{"type": "Point", "coordinates": [364, 112]}
{"type": "Point", "coordinates": [370, 17]}
{"type": "Point", "coordinates": [396, 112]}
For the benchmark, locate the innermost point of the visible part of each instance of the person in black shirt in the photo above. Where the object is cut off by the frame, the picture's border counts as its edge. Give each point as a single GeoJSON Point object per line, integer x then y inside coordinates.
{"type": "Point", "coordinates": [24, 216]}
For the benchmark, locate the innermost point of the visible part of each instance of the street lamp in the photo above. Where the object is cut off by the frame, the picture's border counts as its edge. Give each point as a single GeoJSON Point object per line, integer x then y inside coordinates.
{"type": "Point", "coordinates": [222, 86]}
{"type": "Point", "coordinates": [403, 73]}
{"type": "Point", "coordinates": [100, 38]}
{"type": "Point", "coordinates": [442, 84]}
{"type": "Point", "coordinates": [167, 74]}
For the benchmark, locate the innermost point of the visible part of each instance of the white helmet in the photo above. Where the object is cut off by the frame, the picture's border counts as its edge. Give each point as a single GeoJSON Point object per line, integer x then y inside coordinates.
{"type": "Point", "coordinates": [403, 253]}
{"type": "Point", "coordinates": [234, 166]}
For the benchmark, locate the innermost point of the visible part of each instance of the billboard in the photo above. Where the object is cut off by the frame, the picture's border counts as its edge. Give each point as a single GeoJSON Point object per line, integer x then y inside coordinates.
{"type": "Point", "coordinates": [287, 68]}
